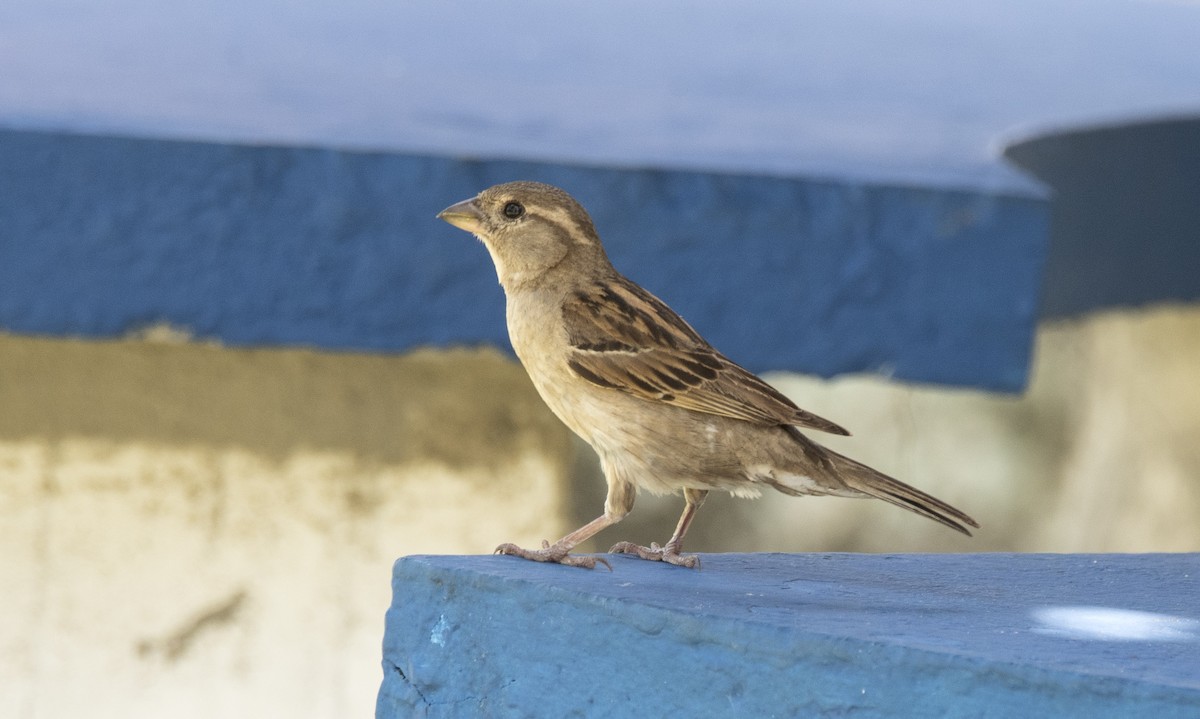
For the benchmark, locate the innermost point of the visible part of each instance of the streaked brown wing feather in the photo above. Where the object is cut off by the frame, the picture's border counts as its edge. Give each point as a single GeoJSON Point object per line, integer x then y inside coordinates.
{"type": "Point", "coordinates": [625, 338]}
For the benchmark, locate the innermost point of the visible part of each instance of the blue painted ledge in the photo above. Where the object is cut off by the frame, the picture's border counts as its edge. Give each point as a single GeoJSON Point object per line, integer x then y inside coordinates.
{"type": "Point", "coordinates": [775, 635]}
{"type": "Point", "coordinates": [255, 245]}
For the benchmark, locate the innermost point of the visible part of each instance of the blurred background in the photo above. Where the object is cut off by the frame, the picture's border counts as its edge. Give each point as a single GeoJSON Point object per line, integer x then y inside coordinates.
{"type": "Point", "coordinates": [243, 368]}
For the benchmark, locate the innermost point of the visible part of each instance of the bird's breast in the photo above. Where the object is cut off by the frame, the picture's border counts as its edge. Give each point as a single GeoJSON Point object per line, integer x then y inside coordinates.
{"type": "Point", "coordinates": [537, 334]}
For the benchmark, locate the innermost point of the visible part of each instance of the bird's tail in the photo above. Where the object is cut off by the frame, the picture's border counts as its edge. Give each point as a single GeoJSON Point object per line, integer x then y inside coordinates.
{"type": "Point", "coordinates": [862, 478]}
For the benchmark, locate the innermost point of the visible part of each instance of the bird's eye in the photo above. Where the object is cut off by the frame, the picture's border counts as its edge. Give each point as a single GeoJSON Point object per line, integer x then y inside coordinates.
{"type": "Point", "coordinates": [513, 210]}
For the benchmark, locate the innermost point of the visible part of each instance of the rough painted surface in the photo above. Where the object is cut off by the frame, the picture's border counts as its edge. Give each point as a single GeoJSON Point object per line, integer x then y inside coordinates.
{"type": "Point", "coordinates": [262, 245]}
{"type": "Point", "coordinates": [796, 635]}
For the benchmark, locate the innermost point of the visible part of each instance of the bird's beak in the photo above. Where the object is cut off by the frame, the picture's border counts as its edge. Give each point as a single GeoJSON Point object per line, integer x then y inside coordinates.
{"type": "Point", "coordinates": [464, 215]}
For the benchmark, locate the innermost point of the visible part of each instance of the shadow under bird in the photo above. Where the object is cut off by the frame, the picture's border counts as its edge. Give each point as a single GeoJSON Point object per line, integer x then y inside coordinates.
{"type": "Point", "coordinates": [664, 411]}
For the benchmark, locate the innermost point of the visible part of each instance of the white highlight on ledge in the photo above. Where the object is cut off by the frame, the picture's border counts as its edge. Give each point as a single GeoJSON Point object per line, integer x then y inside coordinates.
{"type": "Point", "coordinates": [1114, 625]}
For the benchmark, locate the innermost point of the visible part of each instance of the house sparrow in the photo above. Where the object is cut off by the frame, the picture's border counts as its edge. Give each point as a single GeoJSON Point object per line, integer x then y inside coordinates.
{"type": "Point", "coordinates": [664, 410]}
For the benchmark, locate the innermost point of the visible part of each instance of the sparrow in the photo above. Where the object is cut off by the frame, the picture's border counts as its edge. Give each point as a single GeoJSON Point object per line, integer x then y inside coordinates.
{"type": "Point", "coordinates": [664, 410]}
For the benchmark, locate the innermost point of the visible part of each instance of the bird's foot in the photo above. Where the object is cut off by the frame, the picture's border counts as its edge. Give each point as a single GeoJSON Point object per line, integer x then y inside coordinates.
{"type": "Point", "coordinates": [554, 553]}
{"type": "Point", "coordinates": [655, 553]}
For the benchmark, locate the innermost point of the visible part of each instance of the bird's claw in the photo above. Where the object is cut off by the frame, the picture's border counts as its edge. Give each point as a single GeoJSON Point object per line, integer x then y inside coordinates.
{"type": "Point", "coordinates": [553, 554]}
{"type": "Point", "coordinates": [656, 553]}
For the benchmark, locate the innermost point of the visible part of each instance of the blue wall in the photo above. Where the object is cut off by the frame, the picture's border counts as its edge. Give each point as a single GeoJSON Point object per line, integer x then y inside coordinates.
{"type": "Point", "coordinates": [274, 245]}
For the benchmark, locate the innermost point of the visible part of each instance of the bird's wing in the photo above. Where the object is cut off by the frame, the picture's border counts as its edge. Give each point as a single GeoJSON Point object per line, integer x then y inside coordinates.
{"type": "Point", "coordinates": [624, 338]}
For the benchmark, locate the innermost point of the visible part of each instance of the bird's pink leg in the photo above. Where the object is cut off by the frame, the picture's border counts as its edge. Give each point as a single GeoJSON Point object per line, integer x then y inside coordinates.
{"type": "Point", "coordinates": [670, 554]}
{"type": "Point", "coordinates": [559, 552]}
{"type": "Point", "coordinates": [616, 506]}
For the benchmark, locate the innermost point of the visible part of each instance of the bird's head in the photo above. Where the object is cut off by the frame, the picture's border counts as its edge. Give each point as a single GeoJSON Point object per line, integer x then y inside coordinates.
{"type": "Point", "coordinates": [530, 229]}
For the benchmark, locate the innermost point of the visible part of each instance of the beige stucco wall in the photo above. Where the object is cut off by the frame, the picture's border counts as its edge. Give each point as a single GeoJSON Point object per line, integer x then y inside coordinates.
{"type": "Point", "coordinates": [191, 530]}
